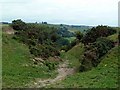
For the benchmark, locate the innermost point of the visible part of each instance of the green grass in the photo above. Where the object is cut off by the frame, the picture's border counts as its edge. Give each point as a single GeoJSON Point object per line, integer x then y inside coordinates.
{"type": "Point", "coordinates": [72, 30]}
{"type": "Point", "coordinates": [105, 75]}
{"type": "Point", "coordinates": [74, 55]}
{"type": "Point", "coordinates": [18, 68]}
{"type": "Point", "coordinates": [113, 37]}
{"type": "Point", "coordinates": [3, 25]}
{"type": "Point", "coordinates": [70, 39]}
{"type": "Point", "coordinates": [0, 56]}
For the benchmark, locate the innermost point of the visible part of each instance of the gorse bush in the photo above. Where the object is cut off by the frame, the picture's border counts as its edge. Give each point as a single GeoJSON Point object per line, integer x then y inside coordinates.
{"type": "Point", "coordinates": [71, 45]}
{"type": "Point", "coordinates": [94, 52]}
{"type": "Point", "coordinates": [44, 51]}
{"type": "Point", "coordinates": [96, 46]}
{"type": "Point", "coordinates": [96, 32]}
{"type": "Point", "coordinates": [40, 38]}
{"type": "Point", "coordinates": [51, 65]}
{"type": "Point", "coordinates": [63, 31]}
{"type": "Point", "coordinates": [103, 45]}
{"type": "Point", "coordinates": [18, 25]}
{"type": "Point", "coordinates": [78, 35]}
{"type": "Point", "coordinates": [119, 37]}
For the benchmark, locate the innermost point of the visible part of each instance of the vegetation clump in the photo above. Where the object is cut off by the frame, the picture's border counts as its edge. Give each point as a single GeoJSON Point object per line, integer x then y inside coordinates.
{"type": "Point", "coordinates": [93, 53]}
{"type": "Point", "coordinates": [97, 32]}
{"type": "Point", "coordinates": [41, 39]}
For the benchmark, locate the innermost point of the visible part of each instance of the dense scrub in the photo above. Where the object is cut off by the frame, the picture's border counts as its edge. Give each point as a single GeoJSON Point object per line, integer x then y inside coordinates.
{"type": "Point", "coordinates": [43, 40]}
{"type": "Point", "coordinates": [94, 52]}
{"type": "Point", "coordinates": [97, 32]}
{"type": "Point", "coordinates": [119, 37]}
{"type": "Point", "coordinates": [63, 31]}
{"type": "Point", "coordinates": [96, 46]}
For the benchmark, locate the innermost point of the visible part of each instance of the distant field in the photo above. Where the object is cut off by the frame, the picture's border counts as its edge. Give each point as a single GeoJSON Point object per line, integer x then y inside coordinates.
{"type": "Point", "coordinates": [70, 39]}
{"type": "Point", "coordinates": [78, 28]}
{"type": "Point", "coordinates": [113, 37]}
{"type": "Point", "coordinates": [2, 25]}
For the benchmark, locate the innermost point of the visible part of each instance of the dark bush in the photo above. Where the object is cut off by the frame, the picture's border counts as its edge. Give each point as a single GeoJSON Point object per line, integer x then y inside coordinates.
{"type": "Point", "coordinates": [71, 45]}
{"type": "Point", "coordinates": [18, 24]}
{"type": "Point", "coordinates": [40, 38]}
{"type": "Point", "coordinates": [51, 65]}
{"type": "Point", "coordinates": [96, 32]}
{"type": "Point", "coordinates": [94, 52]}
{"type": "Point", "coordinates": [78, 35]}
{"type": "Point", "coordinates": [62, 42]}
{"type": "Point", "coordinates": [119, 37]}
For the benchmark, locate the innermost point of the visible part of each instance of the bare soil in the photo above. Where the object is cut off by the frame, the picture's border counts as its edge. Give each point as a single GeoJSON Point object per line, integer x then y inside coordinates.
{"type": "Point", "coordinates": [63, 71]}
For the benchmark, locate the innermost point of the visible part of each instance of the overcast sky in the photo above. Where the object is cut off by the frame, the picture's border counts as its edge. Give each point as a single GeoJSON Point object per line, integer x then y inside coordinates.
{"type": "Point", "coordinates": [80, 12]}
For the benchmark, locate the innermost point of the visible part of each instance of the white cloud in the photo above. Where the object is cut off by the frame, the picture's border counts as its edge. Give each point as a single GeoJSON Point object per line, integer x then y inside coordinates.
{"type": "Point", "coordinates": [89, 12]}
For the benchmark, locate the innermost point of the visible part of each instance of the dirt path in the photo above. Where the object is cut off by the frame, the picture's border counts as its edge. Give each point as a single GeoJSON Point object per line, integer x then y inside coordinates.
{"type": "Point", "coordinates": [63, 71]}
{"type": "Point", "coordinates": [8, 30]}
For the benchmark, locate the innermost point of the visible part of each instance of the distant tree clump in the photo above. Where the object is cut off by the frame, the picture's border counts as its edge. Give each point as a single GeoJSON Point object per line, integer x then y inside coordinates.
{"type": "Point", "coordinates": [44, 22]}
{"type": "Point", "coordinates": [63, 31]}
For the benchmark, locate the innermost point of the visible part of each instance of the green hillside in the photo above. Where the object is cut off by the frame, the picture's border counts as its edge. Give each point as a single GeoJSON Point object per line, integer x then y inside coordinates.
{"type": "Point", "coordinates": [113, 37]}
{"type": "Point", "coordinates": [74, 55]}
{"type": "Point", "coordinates": [18, 68]}
{"type": "Point", "coordinates": [105, 75]}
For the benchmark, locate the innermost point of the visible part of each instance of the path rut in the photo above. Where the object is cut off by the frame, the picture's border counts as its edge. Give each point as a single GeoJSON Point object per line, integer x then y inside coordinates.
{"type": "Point", "coordinates": [63, 71]}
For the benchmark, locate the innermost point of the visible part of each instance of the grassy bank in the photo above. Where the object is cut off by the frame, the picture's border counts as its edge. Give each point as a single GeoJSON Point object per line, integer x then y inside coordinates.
{"type": "Point", "coordinates": [18, 68]}
{"type": "Point", "coordinates": [74, 55]}
{"type": "Point", "coordinates": [105, 75]}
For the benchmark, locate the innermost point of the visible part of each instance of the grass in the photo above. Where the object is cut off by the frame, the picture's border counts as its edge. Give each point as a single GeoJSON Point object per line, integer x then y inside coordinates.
{"type": "Point", "coordinates": [113, 37]}
{"type": "Point", "coordinates": [18, 68]}
{"type": "Point", "coordinates": [74, 55]}
{"type": "Point", "coordinates": [105, 75]}
{"type": "Point", "coordinates": [0, 56]}
{"type": "Point", "coordinates": [70, 39]}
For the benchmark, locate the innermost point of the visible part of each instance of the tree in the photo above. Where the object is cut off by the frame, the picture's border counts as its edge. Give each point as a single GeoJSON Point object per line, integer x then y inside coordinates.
{"type": "Point", "coordinates": [44, 22]}
{"type": "Point", "coordinates": [54, 37]}
{"type": "Point", "coordinates": [18, 24]}
{"type": "Point", "coordinates": [79, 35]}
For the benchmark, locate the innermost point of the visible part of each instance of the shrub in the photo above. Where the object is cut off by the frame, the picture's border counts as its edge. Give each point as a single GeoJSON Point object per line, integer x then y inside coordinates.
{"type": "Point", "coordinates": [62, 42]}
{"type": "Point", "coordinates": [97, 32]}
{"type": "Point", "coordinates": [79, 35]}
{"type": "Point", "coordinates": [94, 52]}
{"type": "Point", "coordinates": [51, 65]}
{"type": "Point", "coordinates": [41, 39]}
{"type": "Point", "coordinates": [18, 24]}
{"type": "Point", "coordinates": [119, 37]}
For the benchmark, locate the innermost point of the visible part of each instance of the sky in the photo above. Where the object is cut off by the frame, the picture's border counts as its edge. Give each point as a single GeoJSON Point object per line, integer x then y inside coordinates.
{"type": "Point", "coordinates": [72, 12]}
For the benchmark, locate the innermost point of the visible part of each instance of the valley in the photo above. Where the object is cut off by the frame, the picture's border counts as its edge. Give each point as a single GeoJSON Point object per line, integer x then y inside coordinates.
{"type": "Point", "coordinates": [63, 62]}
